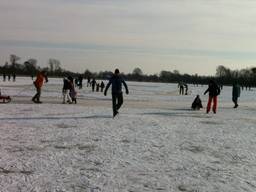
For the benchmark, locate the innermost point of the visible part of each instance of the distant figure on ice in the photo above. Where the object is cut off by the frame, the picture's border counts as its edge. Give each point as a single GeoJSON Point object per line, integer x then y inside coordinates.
{"type": "Point", "coordinates": [117, 95]}
{"type": "Point", "coordinates": [197, 103]}
{"type": "Point", "coordinates": [4, 76]}
{"type": "Point", "coordinates": [214, 91]}
{"type": "Point", "coordinates": [102, 86]}
{"type": "Point", "coordinates": [65, 90]}
{"type": "Point", "coordinates": [186, 89]}
{"type": "Point", "coordinates": [41, 77]}
{"type": "Point", "coordinates": [14, 77]}
{"type": "Point", "coordinates": [236, 90]}
{"type": "Point", "coordinates": [97, 87]}
{"type": "Point", "coordinates": [80, 80]}
{"type": "Point", "coordinates": [9, 77]}
{"type": "Point", "coordinates": [88, 81]}
{"type": "Point", "coordinates": [181, 86]}
{"type": "Point", "coordinates": [93, 83]}
{"type": "Point", "coordinates": [72, 91]}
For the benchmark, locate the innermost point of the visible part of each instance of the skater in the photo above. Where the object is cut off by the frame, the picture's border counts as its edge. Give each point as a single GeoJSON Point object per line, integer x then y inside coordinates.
{"type": "Point", "coordinates": [214, 91]}
{"type": "Point", "coordinates": [197, 103]}
{"type": "Point", "coordinates": [236, 90]}
{"type": "Point", "coordinates": [41, 77]}
{"type": "Point", "coordinates": [88, 81]}
{"type": "Point", "coordinates": [65, 90]}
{"type": "Point", "coordinates": [72, 91]}
{"type": "Point", "coordinates": [80, 80]}
{"type": "Point", "coordinates": [9, 77]}
{"type": "Point", "coordinates": [181, 86]}
{"type": "Point", "coordinates": [102, 86]}
{"type": "Point", "coordinates": [93, 83]}
{"type": "Point", "coordinates": [186, 89]}
{"type": "Point", "coordinates": [117, 95]}
{"type": "Point", "coordinates": [4, 76]}
{"type": "Point", "coordinates": [97, 87]}
{"type": "Point", "coordinates": [14, 77]}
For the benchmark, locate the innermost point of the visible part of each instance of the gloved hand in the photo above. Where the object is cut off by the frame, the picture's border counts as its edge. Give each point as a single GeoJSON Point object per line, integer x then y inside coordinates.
{"type": "Point", "coordinates": [127, 92]}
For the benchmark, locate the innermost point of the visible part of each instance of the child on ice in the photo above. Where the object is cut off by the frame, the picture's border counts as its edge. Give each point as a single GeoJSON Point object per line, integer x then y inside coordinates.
{"type": "Point", "coordinates": [197, 103]}
{"type": "Point", "coordinates": [72, 91]}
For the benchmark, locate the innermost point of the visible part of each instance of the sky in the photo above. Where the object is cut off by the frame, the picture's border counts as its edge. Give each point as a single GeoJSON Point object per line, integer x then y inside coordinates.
{"type": "Point", "coordinates": [154, 35]}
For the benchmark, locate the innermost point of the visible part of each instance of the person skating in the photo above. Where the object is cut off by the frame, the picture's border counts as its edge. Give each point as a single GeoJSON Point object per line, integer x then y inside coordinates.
{"type": "Point", "coordinates": [41, 77]}
{"type": "Point", "coordinates": [102, 86]}
{"type": "Point", "coordinates": [236, 90]}
{"type": "Point", "coordinates": [214, 91]}
{"type": "Point", "coordinates": [72, 91]}
{"type": "Point", "coordinates": [117, 95]}
{"type": "Point", "coordinates": [93, 83]}
{"type": "Point", "coordinates": [197, 103]}
{"type": "Point", "coordinates": [181, 86]}
{"type": "Point", "coordinates": [4, 76]}
{"type": "Point", "coordinates": [186, 89]}
{"type": "Point", "coordinates": [97, 87]}
{"type": "Point", "coordinates": [80, 79]}
{"type": "Point", "coordinates": [66, 89]}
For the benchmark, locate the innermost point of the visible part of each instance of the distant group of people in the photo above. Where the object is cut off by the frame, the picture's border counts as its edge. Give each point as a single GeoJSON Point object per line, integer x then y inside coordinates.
{"type": "Point", "coordinates": [70, 94]}
{"type": "Point", "coordinates": [214, 90]}
{"type": "Point", "coordinates": [9, 76]}
{"type": "Point", "coordinates": [94, 84]}
{"type": "Point", "coordinates": [183, 86]}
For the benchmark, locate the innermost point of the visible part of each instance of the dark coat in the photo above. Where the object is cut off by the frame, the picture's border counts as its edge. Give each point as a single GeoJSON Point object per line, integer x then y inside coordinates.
{"type": "Point", "coordinates": [66, 84]}
{"type": "Point", "coordinates": [213, 89]}
{"type": "Point", "coordinates": [197, 103]}
{"type": "Point", "coordinates": [116, 81]}
{"type": "Point", "coordinates": [236, 91]}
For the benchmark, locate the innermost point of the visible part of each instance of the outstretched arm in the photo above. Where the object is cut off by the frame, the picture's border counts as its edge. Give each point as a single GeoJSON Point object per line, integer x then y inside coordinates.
{"type": "Point", "coordinates": [46, 78]}
{"type": "Point", "coordinates": [207, 90]}
{"type": "Point", "coordinates": [106, 89]}
{"type": "Point", "coordinates": [126, 87]}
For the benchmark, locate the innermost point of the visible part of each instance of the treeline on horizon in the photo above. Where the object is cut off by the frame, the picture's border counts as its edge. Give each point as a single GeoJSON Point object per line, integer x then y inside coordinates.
{"type": "Point", "coordinates": [223, 76]}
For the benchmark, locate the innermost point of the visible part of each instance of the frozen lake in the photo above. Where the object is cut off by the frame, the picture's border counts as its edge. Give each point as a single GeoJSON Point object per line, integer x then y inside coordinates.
{"type": "Point", "coordinates": [156, 143]}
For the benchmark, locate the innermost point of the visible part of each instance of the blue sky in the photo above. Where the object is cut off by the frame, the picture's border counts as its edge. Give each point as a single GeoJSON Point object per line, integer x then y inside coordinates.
{"type": "Point", "coordinates": [190, 36]}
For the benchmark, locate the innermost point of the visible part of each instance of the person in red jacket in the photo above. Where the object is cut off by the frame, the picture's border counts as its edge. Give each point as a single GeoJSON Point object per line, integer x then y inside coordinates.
{"type": "Point", "coordinates": [41, 77]}
{"type": "Point", "coordinates": [214, 91]}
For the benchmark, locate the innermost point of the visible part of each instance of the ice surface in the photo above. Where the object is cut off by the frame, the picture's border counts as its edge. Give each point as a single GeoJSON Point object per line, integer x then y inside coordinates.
{"type": "Point", "coordinates": [156, 143]}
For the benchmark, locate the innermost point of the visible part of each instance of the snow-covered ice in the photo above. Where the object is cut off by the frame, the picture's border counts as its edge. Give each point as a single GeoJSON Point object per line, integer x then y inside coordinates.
{"type": "Point", "coordinates": [156, 143]}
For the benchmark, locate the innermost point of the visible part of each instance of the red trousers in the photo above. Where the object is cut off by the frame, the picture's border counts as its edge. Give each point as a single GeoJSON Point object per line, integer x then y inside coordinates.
{"type": "Point", "coordinates": [214, 108]}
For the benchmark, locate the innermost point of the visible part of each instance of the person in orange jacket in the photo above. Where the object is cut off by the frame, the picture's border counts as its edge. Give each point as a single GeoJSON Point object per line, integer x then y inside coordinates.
{"type": "Point", "coordinates": [41, 77]}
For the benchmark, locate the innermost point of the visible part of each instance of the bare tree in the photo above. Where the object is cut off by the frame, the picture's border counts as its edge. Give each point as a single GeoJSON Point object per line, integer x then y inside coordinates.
{"type": "Point", "coordinates": [54, 65]}
{"type": "Point", "coordinates": [13, 59]}
{"type": "Point", "coordinates": [137, 71]}
{"type": "Point", "coordinates": [30, 66]}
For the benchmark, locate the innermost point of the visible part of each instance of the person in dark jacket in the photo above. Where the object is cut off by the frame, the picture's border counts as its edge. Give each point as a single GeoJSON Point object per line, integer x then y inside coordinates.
{"type": "Point", "coordinates": [214, 91]}
{"type": "Point", "coordinates": [197, 103]}
{"type": "Point", "coordinates": [72, 90]}
{"type": "Point", "coordinates": [102, 86]}
{"type": "Point", "coordinates": [181, 87]}
{"type": "Point", "coordinates": [65, 90]}
{"type": "Point", "coordinates": [235, 94]}
{"type": "Point", "coordinates": [117, 95]}
{"type": "Point", "coordinates": [93, 83]}
{"type": "Point", "coordinates": [80, 80]}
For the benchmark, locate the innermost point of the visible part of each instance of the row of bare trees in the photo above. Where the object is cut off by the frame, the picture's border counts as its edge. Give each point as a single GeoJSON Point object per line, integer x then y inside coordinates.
{"type": "Point", "coordinates": [30, 67]}
{"type": "Point", "coordinates": [224, 75]}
